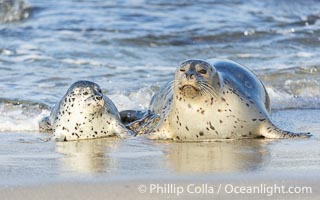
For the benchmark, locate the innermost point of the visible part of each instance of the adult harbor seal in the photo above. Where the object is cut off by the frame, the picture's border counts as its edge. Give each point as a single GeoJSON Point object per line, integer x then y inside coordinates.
{"type": "Point", "coordinates": [210, 100]}
{"type": "Point", "coordinates": [85, 113]}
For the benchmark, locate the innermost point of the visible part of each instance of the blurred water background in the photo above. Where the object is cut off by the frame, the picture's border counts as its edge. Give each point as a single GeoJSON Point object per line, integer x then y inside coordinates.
{"type": "Point", "coordinates": [131, 47]}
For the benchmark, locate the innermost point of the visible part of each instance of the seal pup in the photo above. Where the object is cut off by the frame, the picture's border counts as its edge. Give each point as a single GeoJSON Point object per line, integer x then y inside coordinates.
{"type": "Point", "coordinates": [85, 113]}
{"type": "Point", "coordinates": [212, 100]}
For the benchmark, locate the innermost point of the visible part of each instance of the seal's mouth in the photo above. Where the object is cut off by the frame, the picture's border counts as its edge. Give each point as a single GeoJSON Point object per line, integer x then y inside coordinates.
{"type": "Point", "coordinates": [188, 87]}
{"type": "Point", "coordinates": [189, 91]}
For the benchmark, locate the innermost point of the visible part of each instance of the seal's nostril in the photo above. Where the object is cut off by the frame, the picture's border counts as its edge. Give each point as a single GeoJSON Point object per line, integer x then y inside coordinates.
{"type": "Point", "coordinates": [98, 98]}
{"type": "Point", "coordinates": [189, 75]}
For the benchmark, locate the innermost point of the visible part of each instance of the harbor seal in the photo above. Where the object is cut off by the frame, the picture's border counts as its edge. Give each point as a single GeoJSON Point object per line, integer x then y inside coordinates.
{"type": "Point", "coordinates": [212, 100]}
{"type": "Point", "coordinates": [85, 113]}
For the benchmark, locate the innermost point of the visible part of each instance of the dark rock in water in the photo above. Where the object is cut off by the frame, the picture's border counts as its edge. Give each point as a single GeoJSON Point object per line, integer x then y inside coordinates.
{"type": "Point", "coordinates": [13, 10]}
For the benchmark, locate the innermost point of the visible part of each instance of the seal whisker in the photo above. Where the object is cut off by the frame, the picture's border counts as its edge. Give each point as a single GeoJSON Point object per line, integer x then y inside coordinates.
{"type": "Point", "coordinates": [211, 90]}
{"type": "Point", "coordinates": [208, 89]}
{"type": "Point", "coordinates": [209, 93]}
{"type": "Point", "coordinates": [169, 87]}
{"type": "Point", "coordinates": [203, 90]}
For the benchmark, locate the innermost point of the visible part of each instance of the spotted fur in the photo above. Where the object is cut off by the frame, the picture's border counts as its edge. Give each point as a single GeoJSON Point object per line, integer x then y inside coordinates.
{"type": "Point", "coordinates": [211, 100]}
{"type": "Point", "coordinates": [85, 113]}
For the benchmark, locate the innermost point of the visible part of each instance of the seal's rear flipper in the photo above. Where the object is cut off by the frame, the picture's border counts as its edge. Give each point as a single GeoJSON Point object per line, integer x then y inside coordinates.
{"type": "Point", "coordinates": [273, 132]}
{"type": "Point", "coordinates": [140, 122]}
{"type": "Point", "coordinates": [129, 116]}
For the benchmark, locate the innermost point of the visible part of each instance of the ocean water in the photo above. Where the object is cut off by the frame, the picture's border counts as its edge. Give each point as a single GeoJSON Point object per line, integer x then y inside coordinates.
{"type": "Point", "coordinates": [131, 47]}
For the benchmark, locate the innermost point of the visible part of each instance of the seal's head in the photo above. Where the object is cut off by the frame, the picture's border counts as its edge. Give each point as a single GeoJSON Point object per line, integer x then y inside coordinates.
{"type": "Point", "coordinates": [195, 78]}
{"type": "Point", "coordinates": [85, 94]}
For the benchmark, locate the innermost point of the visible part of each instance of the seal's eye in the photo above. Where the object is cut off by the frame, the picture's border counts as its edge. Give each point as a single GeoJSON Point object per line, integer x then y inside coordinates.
{"type": "Point", "coordinates": [203, 71]}
{"type": "Point", "coordinates": [182, 70]}
{"type": "Point", "coordinates": [76, 91]}
{"type": "Point", "coordinates": [99, 90]}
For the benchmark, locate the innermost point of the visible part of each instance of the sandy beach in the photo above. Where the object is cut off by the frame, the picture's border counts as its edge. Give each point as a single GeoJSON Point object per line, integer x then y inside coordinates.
{"type": "Point", "coordinates": [255, 186]}
{"type": "Point", "coordinates": [113, 168]}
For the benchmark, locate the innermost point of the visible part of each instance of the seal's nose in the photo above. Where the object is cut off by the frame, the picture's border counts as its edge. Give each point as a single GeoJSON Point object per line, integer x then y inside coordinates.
{"type": "Point", "coordinates": [98, 97]}
{"type": "Point", "coordinates": [189, 75]}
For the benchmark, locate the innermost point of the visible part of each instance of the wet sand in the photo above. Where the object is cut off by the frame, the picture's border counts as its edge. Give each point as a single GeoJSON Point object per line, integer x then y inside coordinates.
{"type": "Point", "coordinates": [106, 168]}
{"type": "Point", "coordinates": [173, 188]}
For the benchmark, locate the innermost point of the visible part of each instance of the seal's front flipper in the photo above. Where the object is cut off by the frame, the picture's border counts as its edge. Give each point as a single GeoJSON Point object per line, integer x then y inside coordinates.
{"type": "Point", "coordinates": [121, 130]}
{"type": "Point", "coordinates": [125, 133]}
{"type": "Point", "coordinates": [45, 125]}
{"type": "Point", "coordinates": [59, 137]}
{"type": "Point", "coordinates": [272, 132]}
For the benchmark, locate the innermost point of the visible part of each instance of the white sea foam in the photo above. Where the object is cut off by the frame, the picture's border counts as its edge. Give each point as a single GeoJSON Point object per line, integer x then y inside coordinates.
{"type": "Point", "coordinates": [25, 52]}
{"type": "Point", "coordinates": [82, 62]}
{"type": "Point", "coordinates": [16, 116]}
{"type": "Point", "coordinates": [284, 100]}
{"type": "Point", "coordinates": [6, 52]}
{"type": "Point", "coordinates": [16, 120]}
{"type": "Point", "coordinates": [248, 55]}
{"type": "Point", "coordinates": [138, 100]}
{"type": "Point", "coordinates": [305, 54]}
{"type": "Point", "coordinates": [30, 58]}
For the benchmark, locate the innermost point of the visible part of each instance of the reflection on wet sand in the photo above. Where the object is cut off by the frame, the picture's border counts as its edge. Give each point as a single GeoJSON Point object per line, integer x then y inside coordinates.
{"type": "Point", "coordinates": [216, 157]}
{"type": "Point", "coordinates": [86, 156]}
{"type": "Point", "coordinates": [126, 156]}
